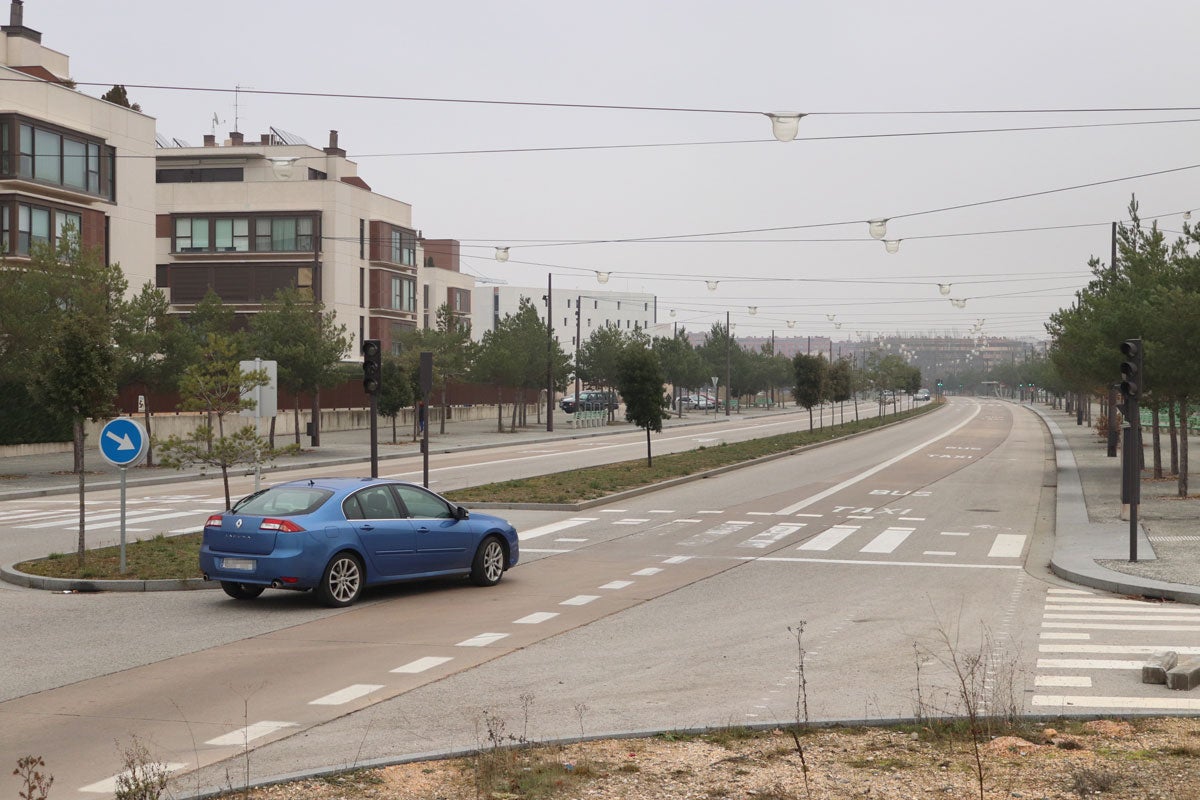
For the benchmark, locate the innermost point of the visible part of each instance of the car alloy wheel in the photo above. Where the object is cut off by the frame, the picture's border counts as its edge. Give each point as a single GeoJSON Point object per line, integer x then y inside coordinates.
{"type": "Point", "coordinates": [342, 582]}
{"type": "Point", "coordinates": [488, 566]}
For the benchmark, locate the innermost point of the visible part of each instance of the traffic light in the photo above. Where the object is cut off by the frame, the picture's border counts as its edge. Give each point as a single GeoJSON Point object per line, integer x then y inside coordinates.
{"type": "Point", "coordinates": [1131, 368]}
{"type": "Point", "coordinates": [372, 365]}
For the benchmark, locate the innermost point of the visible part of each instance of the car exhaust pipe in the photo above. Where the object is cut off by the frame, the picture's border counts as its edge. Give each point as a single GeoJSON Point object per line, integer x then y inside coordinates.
{"type": "Point", "coordinates": [275, 584]}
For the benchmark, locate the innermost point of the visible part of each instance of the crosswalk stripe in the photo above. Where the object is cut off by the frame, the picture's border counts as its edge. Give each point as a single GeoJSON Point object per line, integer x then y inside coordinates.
{"type": "Point", "coordinates": [1118, 617]}
{"type": "Point", "coordinates": [1086, 701]}
{"type": "Point", "coordinates": [1007, 545]}
{"type": "Point", "coordinates": [1119, 627]}
{"type": "Point", "coordinates": [888, 541]}
{"type": "Point", "coordinates": [829, 538]}
{"type": "Point", "coordinates": [555, 527]}
{"type": "Point", "coordinates": [772, 535]}
{"type": "Point", "coordinates": [1123, 649]}
{"type": "Point", "coordinates": [1087, 663]}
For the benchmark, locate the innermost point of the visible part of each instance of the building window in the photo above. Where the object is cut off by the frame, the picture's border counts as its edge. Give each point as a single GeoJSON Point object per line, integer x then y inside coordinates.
{"type": "Point", "coordinates": [51, 156]}
{"type": "Point", "coordinates": [40, 224]}
{"type": "Point", "coordinates": [192, 175]}
{"type": "Point", "coordinates": [403, 295]}
{"type": "Point", "coordinates": [232, 234]}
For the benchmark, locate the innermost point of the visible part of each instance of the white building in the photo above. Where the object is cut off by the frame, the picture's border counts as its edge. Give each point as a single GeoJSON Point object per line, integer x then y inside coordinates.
{"type": "Point", "coordinates": [67, 158]}
{"type": "Point", "coordinates": [246, 219]}
{"type": "Point", "coordinates": [573, 310]}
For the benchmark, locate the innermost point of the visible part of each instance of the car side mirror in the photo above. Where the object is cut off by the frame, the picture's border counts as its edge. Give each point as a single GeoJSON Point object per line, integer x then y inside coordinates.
{"type": "Point", "coordinates": [461, 513]}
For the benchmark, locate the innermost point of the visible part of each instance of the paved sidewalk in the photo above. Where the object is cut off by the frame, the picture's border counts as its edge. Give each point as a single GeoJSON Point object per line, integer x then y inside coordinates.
{"type": "Point", "coordinates": [1091, 544]}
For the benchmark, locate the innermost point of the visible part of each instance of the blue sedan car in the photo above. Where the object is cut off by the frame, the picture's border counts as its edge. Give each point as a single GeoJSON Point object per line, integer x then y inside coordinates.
{"type": "Point", "coordinates": [337, 536]}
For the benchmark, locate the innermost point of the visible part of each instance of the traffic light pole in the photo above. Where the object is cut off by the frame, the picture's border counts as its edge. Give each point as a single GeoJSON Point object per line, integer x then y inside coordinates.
{"type": "Point", "coordinates": [374, 436]}
{"type": "Point", "coordinates": [1131, 452]}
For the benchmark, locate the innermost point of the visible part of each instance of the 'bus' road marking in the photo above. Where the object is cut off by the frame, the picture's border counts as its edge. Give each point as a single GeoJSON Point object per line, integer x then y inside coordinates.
{"type": "Point", "coordinates": [832, 490]}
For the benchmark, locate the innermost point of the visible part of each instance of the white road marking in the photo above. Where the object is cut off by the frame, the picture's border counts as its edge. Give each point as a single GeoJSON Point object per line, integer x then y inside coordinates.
{"type": "Point", "coordinates": [580, 600]}
{"type": "Point", "coordinates": [109, 785]}
{"type": "Point", "coordinates": [710, 512]}
{"type": "Point", "coordinates": [867, 563]}
{"type": "Point", "coordinates": [1084, 701]}
{"type": "Point", "coordinates": [630, 521]}
{"type": "Point", "coordinates": [422, 664]}
{"type": "Point", "coordinates": [760, 514]}
{"type": "Point", "coordinates": [1007, 545]}
{"type": "Point", "coordinates": [687, 520]}
{"type": "Point", "coordinates": [660, 511]}
{"type": "Point", "coordinates": [1070, 591]}
{"type": "Point", "coordinates": [819, 496]}
{"type": "Point", "coordinates": [482, 640]}
{"type": "Point", "coordinates": [346, 695]}
{"type": "Point", "coordinates": [858, 516]}
{"type": "Point", "coordinates": [1119, 617]}
{"type": "Point", "coordinates": [889, 540]}
{"type": "Point", "coordinates": [1120, 649]}
{"type": "Point", "coordinates": [829, 538]}
{"type": "Point", "coordinates": [677, 559]}
{"type": "Point", "coordinates": [911, 519]}
{"type": "Point", "coordinates": [1055, 602]}
{"type": "Point", "coordinates": [612, 511]}
{"type": "Point", "coordinates": [772, 535]}
{"type": "Point", "coordinates": [1064, 681]}
{"type": "Point", "coordinates": [955, 533]}
{"type": "Point", "coordinates": [555, 527]}
{"type": "Point", "coordinates": [249, 733]}
{"type": "Point", "coordinates": [543, 550]}
{"type": "Point", "coordinates": [1087, 663]}
{"type": "Point", "coordinates": [617, 584]}
{"type": "Point", "coordinates": [648, 571]}
{"type": "Point", "coordinates": [1137, 609]}
{"type": "Point", "coordinates": [713, 534]}
{"type": "Point", "coordinates": [535, 618]}
{"type": "Point", "coordinates": [571, 541]}
{"type": "Point", "coordinates": [1087, 626]}
{"type": "Point", "coordinates": [939, 553]}
{"type": "Point", "coordinates": [814, 516]}
{"type": "Point", "coordinates": [1053, 635]}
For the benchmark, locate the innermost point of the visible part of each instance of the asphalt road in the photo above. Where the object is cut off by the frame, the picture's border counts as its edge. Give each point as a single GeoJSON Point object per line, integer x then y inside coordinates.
{"type": "Point", "coordinates": [896, 552]}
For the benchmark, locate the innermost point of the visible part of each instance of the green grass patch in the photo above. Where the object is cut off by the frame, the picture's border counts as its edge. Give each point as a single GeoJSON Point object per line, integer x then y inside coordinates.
{"type": "Point", "coordinates": [592, 483]}
{"type": "Point", "coordinates": [159, 558]}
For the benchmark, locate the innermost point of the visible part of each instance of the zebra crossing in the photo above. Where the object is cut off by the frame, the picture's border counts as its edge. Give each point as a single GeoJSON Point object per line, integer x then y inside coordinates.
{"type": "Point", "coordinates": [142, 515]}
{"type": "Point", "coordinates": [1091, 649]}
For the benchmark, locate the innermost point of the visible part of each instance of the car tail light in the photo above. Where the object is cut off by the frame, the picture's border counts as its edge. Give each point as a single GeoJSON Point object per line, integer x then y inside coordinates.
{"type": "Point", "coordinates": [281, 525]}
{"type": "Point", "coordinates": [213, 522]}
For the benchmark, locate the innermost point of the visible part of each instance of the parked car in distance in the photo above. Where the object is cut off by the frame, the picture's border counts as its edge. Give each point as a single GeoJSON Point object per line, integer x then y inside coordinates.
{"type": "Point", "coordinates": [700, 402]}
{"type": "Point", "coordinates": [922, 394]}
{"type": "Point", "coordinates": [887, 397]}
{"type": "Point", "coordinates": [590, 401]}
{"type": "Point", "coordinates": [338, 536]}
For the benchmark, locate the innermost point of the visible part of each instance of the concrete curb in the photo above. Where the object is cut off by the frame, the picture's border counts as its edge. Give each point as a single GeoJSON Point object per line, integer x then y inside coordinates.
{"type": "Point", "coordinates": [10, 574]}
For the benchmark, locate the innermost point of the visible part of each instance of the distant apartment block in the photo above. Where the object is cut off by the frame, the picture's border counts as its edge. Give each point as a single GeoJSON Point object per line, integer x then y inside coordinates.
{"type": "Point", "coordinates": [70, 161]}
{"type": "Point", "coordinates": [247, 218]}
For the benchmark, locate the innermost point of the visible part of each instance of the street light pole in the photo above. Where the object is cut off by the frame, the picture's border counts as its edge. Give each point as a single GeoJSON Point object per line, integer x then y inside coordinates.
{"type": "Point", "coordinates": [728, 348]}
{"type": "Point", "coordinates": [578, 344]}
{"type": "Point", "coordinates": [549, 353]}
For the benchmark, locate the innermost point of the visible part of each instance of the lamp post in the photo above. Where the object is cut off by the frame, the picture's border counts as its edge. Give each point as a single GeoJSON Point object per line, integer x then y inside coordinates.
{"type": "Point", "coordinates": [578, 345]}
{"type": "Point", "coordinates": [728, 348]}
{"type": "Point", "coordinates": [549, 353]}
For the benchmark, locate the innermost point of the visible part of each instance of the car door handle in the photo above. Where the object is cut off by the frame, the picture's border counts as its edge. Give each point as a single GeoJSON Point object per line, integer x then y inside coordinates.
{"type": "Point", "coordinates": [368, 527]}
{"type": "Point", "coordinates": [423, 530]}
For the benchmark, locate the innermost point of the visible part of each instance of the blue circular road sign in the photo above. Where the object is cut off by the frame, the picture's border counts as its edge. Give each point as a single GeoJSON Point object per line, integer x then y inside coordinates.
{"type": "Point", "coordinates": [123, 442]}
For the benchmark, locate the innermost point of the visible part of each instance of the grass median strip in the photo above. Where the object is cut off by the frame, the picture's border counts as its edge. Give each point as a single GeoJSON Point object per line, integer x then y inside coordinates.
{"type": "Point", "coordinates": [591, 483]}
{"type": "Point", "coordinates": [176, 557]}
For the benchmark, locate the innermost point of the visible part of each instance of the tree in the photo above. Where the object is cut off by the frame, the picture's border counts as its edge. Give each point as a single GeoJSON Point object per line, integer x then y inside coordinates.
{"type": "Point", "coordinates": [71, 369]}
{"type": "Point", "coordinates": [841, 381]}
{"type": "Point", "coordinates": [640, 382]}
{"type": "Point", "coordinates": [306, 343]}
{"type": "Point", "coordinates": [810, 388]}
{"type": "Point", "coordinates": [680, 362]}
{"type": "Point", "coordinates": [720, 350]}
{"type": "Point", "coordinates": [148, 348]}
{"type": "Point", "coordinates": [599, 355]}
{"type": "Point", "coordinates": [217, 385]}
{"type": "Point", "coordinates": [452, 348]}
{"type": "Point", "coordinates": [118, 96]}
{"type": "Point", "coordinates": [515, 353]}
{"type": "Point", "coordinates": [396, 390]}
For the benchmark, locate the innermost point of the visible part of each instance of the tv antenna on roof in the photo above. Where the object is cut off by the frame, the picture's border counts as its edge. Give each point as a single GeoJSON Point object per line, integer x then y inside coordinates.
{"type": "Point", "coordinates": [237, 103]}
{"type": "Point", "coordinates": [215, 122]}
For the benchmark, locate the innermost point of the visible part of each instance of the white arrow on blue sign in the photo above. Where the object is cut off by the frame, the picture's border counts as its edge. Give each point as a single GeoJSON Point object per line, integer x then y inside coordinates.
{"type": "Point", "coordinates": [123, 442]}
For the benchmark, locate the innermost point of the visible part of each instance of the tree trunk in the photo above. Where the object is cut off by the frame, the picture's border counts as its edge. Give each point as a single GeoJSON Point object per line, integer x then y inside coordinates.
{"type": "Point", "coordinates": [271, 434]}
{"type": "Point", "coordinates": [810, 419]}
{"type": "Point", "coordinates": [1183, 448]}
{"type": "Point", "coordinates": [518, 398]}
{"type": "Point", "coordinates": [856, 408]}
{"type": "Point", "coordinates": [649, 458]}
{"type": "Point", "coordinates": [1173, 431]}
{"type": "Point", "coordinates": [296, 415]}
{"type": "Point", "coordinates": [442, 422]}
{"type": "Point", "coordinates": [77, 427]}
{"type": "Point", "coordinates": [225, 483]}
{"type": "Point", "coordinates": [1156, 438]}
{"type": "Point", "coordinates": [499, 410]}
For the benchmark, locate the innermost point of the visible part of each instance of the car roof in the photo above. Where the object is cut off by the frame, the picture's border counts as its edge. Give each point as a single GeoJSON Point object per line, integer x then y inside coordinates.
{"type": "Point", "coordinates": [337, 484]}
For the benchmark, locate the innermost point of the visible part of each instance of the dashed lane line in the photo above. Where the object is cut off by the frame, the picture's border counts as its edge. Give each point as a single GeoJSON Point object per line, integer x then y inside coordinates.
{"type": "Point", "coordinates": [347, 695]}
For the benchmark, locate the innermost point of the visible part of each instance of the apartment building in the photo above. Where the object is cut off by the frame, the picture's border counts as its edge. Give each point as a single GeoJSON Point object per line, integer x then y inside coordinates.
{"type": "Point", "coordinates": [70, 160]}
{"type": "Point", "coordinates": [443, 283]}
{"type": "Point", "coordinates": [573, 311]}
{"type": "Point", "coordinates": [247, 218]}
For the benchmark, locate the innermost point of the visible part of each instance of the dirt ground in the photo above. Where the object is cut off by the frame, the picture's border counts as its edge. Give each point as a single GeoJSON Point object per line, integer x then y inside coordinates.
{"type": "Point", "coordinates": [1131, 760]}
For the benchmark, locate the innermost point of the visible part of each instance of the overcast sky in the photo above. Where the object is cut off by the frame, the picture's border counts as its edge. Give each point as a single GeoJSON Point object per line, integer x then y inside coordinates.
{"type": "Point", "coordinates": [812, 57]}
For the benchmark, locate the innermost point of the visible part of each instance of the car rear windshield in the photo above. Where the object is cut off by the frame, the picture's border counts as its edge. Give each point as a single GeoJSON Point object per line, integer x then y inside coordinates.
{"type": "Point", "coordinates": [283, 500]}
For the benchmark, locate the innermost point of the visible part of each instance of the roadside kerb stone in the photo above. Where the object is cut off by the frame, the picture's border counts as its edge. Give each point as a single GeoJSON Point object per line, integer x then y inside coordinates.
{"type": "Point", "coordinates": [1185, 675]}
{"type": "Point", "coordinates": [1155, 668]}
{"type": "Point", "coordinates": [10, 574]}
